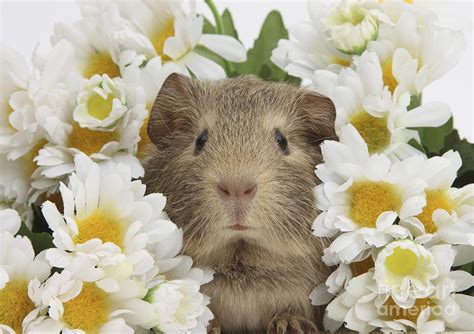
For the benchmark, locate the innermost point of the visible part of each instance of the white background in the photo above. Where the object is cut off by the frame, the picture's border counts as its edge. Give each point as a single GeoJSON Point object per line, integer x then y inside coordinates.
{"type": "Point", "coordinates": [25, 23]}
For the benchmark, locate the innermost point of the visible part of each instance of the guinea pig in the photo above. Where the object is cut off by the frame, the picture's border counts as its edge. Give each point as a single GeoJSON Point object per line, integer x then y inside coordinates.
{"type": "Point", "coordinates": [235, 159]}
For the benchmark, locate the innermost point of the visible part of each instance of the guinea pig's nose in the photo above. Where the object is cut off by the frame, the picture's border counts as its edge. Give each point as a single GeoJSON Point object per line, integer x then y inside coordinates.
{"type": "Point", "coordinates": [243, 190]}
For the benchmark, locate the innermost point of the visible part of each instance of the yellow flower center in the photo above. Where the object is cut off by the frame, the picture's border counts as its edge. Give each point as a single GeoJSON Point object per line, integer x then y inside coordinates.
{"type": "Point", "coordinates": [159, 37]}
{"type": "Point", "coordinates": [406, 1]}
{"type": "Point", "coordinates": [370, 199]}
{"type": "Point", "coordinates": [100, 63]}
{"type": "Point", "coordinates": [373, 130]}
{"type": "Point", "coordinates": [89, 141]}
{"type": "Point", "coordinates": [361, 267]}
{"type": "Point", "coordinates": [401, 261]}
{"type": "Point", "coordinates": [88, 311]}
{"type": "Point", "coordinates": [435, 199]}
{"type": "Point", "coordinates": [15, 304]}
{"type": "Point", "coordinates": [387, 75]}
{"type": "Point", "coordinates": [145, 141]}
{"type": "Point", "coordinates": [391, 311]}
{"type": "Point", "coordinates": [99, 225]}
{"type": "Point", "coordinates": [99, 107]}
{"type": "Point", "coordinates": [342, 62]}
{"type": "Point", "coordinates": [33, 153]}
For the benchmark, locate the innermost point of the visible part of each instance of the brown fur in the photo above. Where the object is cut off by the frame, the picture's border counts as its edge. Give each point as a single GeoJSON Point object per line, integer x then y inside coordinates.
{"type": "Point", "coordinates": [271, 269]}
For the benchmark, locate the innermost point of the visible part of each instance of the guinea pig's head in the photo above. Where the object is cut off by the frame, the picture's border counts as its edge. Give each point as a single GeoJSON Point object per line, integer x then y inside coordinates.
{"type": "Point", "coordinates": [236, 158]}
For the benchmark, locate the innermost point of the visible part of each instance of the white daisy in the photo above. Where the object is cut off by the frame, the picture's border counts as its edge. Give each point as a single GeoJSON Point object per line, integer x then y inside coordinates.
{"type": "Point", "coordinates": [164, 29]}
{"type": "Point", "coordinates": [101, 103]}
{"type": "Point", "coordinates": [309, 48]}
{"type": "Point", "coordinates": [352, 24]}
{"type": "Point", "coordinates": [405, 270]}
{"type": "Point", "coordinates": [362, 99]}
{"type": "Point", "coordinates": [364, 307]}
{"type": "Point", "coordinates": [362, 196]}
{"type": "Point", "coordinates": [40, 96]}
{"type": "Point", "coordinates": [449, 212]}
{"type": "Point", "coordinates": [20, 271]}
{"type": "Point", "coordinates": [69, 305]}
{"type": "Point", "coordinates": [96, 50]}
{"type": "Point", "coordinates": [105, 215]}
{"type": "Point", "coordinates": [19, 131]}
{"type": "Point", "coordinates": [414, 55]}
{"type": "Point", "coordinates": [338, 280]}
{"type": "Point", "coordinates": [23, 95]}
{"type": "Point", "coordinates": [179, 305]}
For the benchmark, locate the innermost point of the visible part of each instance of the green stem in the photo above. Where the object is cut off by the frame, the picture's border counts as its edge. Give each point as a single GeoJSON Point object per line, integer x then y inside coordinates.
{"type": "Point", "coordinates": [220, 30]}
{"type": "Point", "coordinates": [217, 17]}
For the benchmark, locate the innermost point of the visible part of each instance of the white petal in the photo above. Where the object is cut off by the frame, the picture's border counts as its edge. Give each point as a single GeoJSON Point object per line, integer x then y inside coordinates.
{"type": "Point", "coordinates": [225, 46]}
{"type": "Point", "coordinates": [203, 68]}
{"type": "Point", "coordinates": [431, 114]}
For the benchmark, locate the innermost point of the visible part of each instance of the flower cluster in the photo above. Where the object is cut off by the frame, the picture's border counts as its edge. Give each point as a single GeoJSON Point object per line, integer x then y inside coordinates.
{"type": "Point", "coordinates": [396, 222]}
{"type": "Point", "coordinates": [93, 90]}
{"type": "Point", "coordinates": [115, 262]}
{"type": "Point", "coordinates": [73, 130]}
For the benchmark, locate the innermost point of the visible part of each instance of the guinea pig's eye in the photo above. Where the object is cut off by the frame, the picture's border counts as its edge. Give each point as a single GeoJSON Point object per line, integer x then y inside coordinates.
{"type": "Point", "coordinates": [201, 142]}
{"type": "Point", "coordinates": [282, 142]}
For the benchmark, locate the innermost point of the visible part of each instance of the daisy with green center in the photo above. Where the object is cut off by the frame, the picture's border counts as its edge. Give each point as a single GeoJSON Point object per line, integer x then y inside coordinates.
{"type": "Point", "coordinates": [164, 29]}
{"type": "Point", "coordinates": [352, 24]}
{"type": "Point", "coordinates": [101, 103]}
{"type": "Point", "coordinates": [20, 273]}
{"type": "Point", "coordinates": [362, 99]}
{"type": "Point", "coordinates": [69, 305]}
{"type": "Point", "coordinates": [309, 47]}
{"type": "Point", "coordinates": [362, 195]}
{"type": "Point", "coordinates": [179, 306]}
{"type": "Point", "coordinates": [449, 212]}
{"type": "Point", "coordinates": [413, 54]}
{"type": "Point", "coordinates": [106, 218]}
{"type": "Point", "coordinates": [365, 305]}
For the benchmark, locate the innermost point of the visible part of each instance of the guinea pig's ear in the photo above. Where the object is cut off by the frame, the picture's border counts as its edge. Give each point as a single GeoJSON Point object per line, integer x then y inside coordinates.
{"type": "Point", "coordinates": [171, 111]}
{"type": "Point", "coordinates": [319, 114]}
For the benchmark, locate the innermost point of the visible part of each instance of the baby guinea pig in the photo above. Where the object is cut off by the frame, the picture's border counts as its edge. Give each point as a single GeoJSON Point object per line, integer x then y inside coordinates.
{"type": "Point", "coordinates": [235, 159]}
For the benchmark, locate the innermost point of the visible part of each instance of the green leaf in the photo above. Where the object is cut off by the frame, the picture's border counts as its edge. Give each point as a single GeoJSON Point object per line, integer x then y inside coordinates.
{"type": "Point", "coordinates": [208, 27]}
{"type": "Point", "coordinates": [258, 58]}
{"type": "Point", "coordinates": [415, 101]}
{"type": "Point", "coordinates": [40, 241]}
{"type": "Point", "coordinates": [417, 145]}
{"type": "Point", "coordinates": [229, 27]}
{"type": "Point", "coordinates": [203, 51]}
{"type": "Point", "coordinates": [466, 151]}
{"type": "Point", "coordinates": [468, 267]}
{"type": "Point", "coordinates": [433, 139]}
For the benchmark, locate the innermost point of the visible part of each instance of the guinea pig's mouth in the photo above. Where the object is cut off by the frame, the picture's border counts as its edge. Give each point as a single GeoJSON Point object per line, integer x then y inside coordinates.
{"type": "Point", "coordinates": [237, 219]}
{"type": "Point", "coordinates": [238, 227]}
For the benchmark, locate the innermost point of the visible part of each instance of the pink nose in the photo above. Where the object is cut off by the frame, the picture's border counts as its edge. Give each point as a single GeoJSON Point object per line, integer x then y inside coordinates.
{"type": "Point", "coordinates": [229, 190]}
